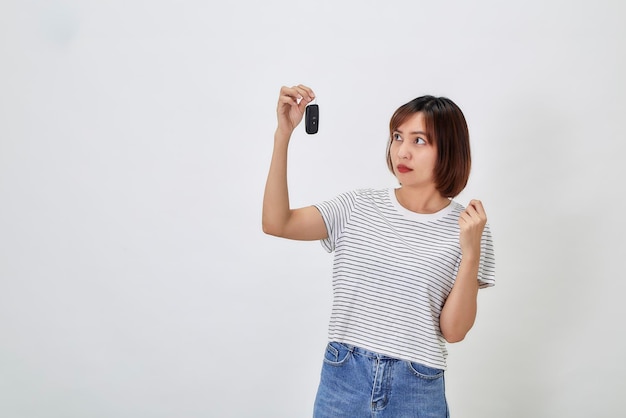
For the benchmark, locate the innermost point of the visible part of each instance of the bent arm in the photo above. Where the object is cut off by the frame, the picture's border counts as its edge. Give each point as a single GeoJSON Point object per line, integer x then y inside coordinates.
{"type": "Point", "coordinates": [278, 218]}
{"type": "Point", "coordinates": [459, 311]}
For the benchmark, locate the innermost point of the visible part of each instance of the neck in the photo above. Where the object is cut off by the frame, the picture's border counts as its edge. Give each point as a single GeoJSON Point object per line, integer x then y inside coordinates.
{"type": "Point", "coordinates": [421, 201]}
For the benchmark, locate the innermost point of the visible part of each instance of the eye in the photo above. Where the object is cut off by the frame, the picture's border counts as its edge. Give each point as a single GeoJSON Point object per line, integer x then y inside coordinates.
{"type": "Point", "coordinates": [396, 137]}
{"type": "Point", "coordinates": [420, 141]}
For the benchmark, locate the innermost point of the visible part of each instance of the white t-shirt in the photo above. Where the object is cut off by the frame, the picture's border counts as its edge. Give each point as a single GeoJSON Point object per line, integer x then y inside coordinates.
{"type": "Point", "coordinates": [393, 270]}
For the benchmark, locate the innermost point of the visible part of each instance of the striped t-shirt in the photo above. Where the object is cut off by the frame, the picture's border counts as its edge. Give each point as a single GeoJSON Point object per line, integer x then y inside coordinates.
{"type": "Point", "coordinates": [393, 270]}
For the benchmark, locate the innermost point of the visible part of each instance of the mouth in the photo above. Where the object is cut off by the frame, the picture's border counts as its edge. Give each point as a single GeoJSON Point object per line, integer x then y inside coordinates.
{"type": "Point", "coordinates": [403, 169]}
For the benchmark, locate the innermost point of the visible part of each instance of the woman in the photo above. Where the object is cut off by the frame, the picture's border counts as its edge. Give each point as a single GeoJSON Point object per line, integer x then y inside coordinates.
{"type": "Point", "coordinates": [408, 262]}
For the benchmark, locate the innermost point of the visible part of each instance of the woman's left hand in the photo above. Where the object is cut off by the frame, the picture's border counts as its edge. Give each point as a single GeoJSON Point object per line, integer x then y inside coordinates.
{"type": "Point", "coordinates": [472, 223]}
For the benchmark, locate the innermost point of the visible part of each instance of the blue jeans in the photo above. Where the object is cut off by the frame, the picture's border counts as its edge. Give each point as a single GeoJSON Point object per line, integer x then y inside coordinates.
{"type": "Point", "coordinates": [356, 383]}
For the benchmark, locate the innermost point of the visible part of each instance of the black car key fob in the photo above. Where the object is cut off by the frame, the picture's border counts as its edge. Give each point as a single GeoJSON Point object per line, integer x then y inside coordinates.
{"type": "Point", "coordinates": [311, 118]}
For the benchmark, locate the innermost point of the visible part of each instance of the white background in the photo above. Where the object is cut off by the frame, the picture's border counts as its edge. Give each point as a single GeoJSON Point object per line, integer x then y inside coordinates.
{"type": "Point", "coordinates": [135, 137]}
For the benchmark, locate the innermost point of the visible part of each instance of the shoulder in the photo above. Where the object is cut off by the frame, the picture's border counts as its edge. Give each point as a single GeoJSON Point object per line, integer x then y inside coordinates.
{"type": "Point", "coordinates": [358, 198]}
{"type": "Point", "coordinates": [372, 194]}
{"type": "Point", "coordinates": [363, 195]}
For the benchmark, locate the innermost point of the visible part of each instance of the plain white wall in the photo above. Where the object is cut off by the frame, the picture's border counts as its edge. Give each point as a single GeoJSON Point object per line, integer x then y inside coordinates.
{"type": "Point", "coordinates": [135, 137]}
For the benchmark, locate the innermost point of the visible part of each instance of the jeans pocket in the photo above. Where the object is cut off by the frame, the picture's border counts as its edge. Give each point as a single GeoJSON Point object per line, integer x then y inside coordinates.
{"type": "Point", "coordinates": [336, 353]}
{"type": "Point", "coordinates": [425, 372]}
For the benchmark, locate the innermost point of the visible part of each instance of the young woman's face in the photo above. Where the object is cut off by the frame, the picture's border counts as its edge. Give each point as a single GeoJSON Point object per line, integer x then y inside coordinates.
{"type": "Point", "coordinates": [413, 153]}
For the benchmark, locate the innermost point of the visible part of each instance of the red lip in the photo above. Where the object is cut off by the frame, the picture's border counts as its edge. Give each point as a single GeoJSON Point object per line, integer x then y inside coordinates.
{"type": "Point", "coordinates": [403, 169]}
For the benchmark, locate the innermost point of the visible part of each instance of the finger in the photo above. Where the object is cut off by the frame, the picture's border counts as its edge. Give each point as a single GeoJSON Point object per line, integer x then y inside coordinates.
{"type": "Point", "coordinates": [465, 218]}
{"type": "Point", "coordinates": [290, 92]}
{"type": "Point", "coordinates": [306, 92]}
{"type": "Point", "coordinates": [298, 92]}
{"type": "Point", "coordinates": [470, 213]}
{"type": "Point", "coordinates": [304, 98]}
{"type": "Point", "coordinates": [474, 207]}
{"type": "Point", "coordinates": [287, 100]}
{"type": "Point", "coordinates": [305, 95]}
{"type": "Point", "coordinates": [477, 205]}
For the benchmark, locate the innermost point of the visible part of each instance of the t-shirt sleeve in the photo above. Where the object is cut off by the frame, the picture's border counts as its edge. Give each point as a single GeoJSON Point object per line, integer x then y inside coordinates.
{"type": "Point", "coordinates": [487, 265]}
{"type": "Point", "coordinates": [336, 213]}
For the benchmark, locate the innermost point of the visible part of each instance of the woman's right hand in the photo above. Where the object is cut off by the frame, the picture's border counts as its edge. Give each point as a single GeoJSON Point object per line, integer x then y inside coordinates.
{"type": "Point", "coordinates": [291, 104]}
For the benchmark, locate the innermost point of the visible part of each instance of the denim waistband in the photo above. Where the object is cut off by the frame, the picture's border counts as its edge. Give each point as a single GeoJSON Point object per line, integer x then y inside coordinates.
{"type": "Point", "coordinates": [366, 353]}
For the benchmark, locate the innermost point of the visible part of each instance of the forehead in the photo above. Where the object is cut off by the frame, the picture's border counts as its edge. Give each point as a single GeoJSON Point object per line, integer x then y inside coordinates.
{"type": "Point", "coordinates": [415, 122]}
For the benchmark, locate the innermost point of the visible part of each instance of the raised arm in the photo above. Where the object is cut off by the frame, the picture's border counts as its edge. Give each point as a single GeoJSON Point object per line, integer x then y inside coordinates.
{"type": "Point", "coordinates": [278, 217]}
{"type": "Point", "coordinates": [459, 311]}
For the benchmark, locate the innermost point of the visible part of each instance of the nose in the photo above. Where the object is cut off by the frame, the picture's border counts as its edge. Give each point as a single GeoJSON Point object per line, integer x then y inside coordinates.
{"type": "Point", "coordinates": [403, 151]}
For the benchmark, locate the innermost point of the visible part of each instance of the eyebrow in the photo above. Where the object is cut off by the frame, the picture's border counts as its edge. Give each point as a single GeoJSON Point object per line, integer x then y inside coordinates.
{"type": "Point", "coordinates": [411, 133]}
